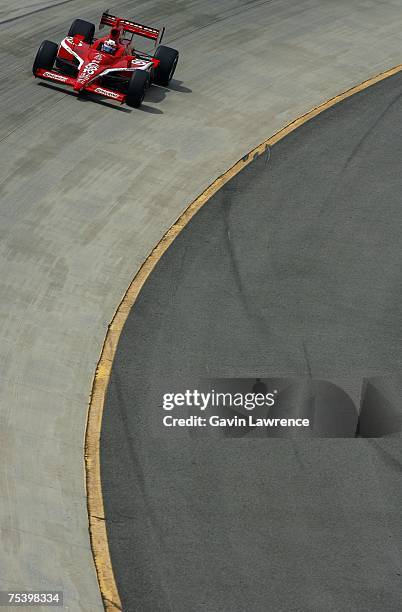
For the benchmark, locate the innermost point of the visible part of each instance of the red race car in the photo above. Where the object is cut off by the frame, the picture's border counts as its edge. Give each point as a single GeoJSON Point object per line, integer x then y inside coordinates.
{"type": "Point", "coordinates": [107, 66]}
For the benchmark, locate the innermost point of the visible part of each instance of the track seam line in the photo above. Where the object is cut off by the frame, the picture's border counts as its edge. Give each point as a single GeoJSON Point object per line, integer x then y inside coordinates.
{"type": "Point", "coordinates": [96, 513]}
{"type": "Point", "coordinates": [34, 12]}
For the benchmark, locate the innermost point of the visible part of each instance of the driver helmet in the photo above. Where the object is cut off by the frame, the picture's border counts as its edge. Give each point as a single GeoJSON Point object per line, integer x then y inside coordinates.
{"type": "Point", "coordinates": [109, 46]}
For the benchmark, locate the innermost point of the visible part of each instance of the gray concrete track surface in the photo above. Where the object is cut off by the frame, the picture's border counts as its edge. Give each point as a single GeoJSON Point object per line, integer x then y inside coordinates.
{"type": "Point", "coordinates": [86, 190]}
{"type": "Point", "coordinates": [292, 269]}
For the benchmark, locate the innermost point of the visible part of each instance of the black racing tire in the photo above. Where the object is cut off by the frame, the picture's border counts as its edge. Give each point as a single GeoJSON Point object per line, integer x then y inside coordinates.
{"type": "Point", "coordinates": [136, 88]}
{"type": "Point", "coordinates": [168, 58]}
{"type": "Point", "coordinates": [45, 56]}
{"type": "Point", "coordinates": [85, 28]}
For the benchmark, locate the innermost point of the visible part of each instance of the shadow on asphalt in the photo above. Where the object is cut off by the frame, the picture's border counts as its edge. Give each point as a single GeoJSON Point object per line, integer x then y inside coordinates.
{"type": "Point", "coordinates": [176, 85]}
{"type": "Point", "coordinates": [158, 93]}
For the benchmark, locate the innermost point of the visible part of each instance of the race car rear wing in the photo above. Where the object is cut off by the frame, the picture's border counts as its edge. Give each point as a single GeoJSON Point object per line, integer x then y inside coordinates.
{"type": "Point", "coordinates": [132, 27]}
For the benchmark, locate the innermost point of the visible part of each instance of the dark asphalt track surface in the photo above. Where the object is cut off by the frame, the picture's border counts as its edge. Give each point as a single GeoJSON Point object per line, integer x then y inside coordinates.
{"type": "Point", "coordinates": [293, 269]}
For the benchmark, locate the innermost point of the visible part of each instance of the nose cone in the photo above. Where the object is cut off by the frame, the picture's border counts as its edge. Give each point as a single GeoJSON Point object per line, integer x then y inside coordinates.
{"type": "Point", "coordinates": [88, 72]}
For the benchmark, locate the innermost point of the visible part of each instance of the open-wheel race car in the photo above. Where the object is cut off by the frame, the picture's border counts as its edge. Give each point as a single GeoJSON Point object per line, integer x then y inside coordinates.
{"type": "Point", "coordinates": [109, 66]}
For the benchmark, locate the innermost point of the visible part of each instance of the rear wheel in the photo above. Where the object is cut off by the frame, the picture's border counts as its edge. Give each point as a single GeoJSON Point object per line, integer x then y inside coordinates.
{"type": "Point", "coordinates": [84, 28]}
{"type": "Point", "coordinates": [45, 56]}
{"type": "Point", "coordinates": [136, 88]}
{"type": "Point", "coordinates": [168, 59]}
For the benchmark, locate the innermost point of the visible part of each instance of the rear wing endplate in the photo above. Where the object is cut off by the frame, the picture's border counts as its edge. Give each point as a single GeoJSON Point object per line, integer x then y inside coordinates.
{"type": "Point", "coordinates": [132, 27]}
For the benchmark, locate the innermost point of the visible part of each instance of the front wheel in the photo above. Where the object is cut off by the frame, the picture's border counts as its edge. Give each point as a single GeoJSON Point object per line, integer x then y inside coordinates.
{"type": "Point", "coordinates": [84, 28]}
{"type": "Point", "coordinates": [45, 56]}
{"type": "Point", "coordinates": [136, 88]}
{"type": "Point", "coordinates": [168, 59]}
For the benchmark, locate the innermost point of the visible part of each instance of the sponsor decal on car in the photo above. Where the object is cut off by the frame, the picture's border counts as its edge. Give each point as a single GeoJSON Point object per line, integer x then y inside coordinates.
{"type": "Point", "coordinates": [139, 64]}
{"type": "Point", "coordinates": [91, 68]}
{"type": "Point", "coordinates": [55, 76]}
{"type": "Point", "coordinates": [106, 92]}
{"type": "Point", "coordinates": [70, 39]}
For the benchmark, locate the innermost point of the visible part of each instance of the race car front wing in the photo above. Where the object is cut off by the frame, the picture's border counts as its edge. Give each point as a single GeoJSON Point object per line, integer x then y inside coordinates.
{"type": "Point", "coordinates": [56, 77]}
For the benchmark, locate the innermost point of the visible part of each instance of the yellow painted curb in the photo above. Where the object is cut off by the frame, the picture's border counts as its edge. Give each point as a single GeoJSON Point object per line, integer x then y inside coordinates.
{"type": "Point", "coordinates": [97, 525]}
